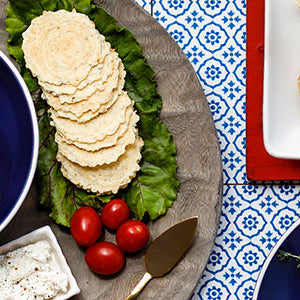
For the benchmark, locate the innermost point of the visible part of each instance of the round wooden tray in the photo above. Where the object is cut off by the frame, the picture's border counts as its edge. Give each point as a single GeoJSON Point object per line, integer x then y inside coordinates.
{"type": "Point", "coordinates": [187, 114]}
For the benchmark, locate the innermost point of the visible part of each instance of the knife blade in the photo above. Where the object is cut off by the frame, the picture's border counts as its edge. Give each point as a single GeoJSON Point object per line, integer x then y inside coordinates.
{"type": "Point", "coordinates": [165, 251]}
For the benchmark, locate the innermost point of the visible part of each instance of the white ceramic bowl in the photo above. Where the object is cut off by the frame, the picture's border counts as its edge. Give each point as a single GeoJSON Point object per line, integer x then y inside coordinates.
{"type": "Point", "coordinates": [45, 233]}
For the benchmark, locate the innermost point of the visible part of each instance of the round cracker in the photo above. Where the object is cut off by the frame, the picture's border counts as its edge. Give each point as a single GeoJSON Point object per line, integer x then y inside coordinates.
{"type": "Point", "coordinates": [102, 156]}
{"type": "Point", "coordinates": [109, 140]}
{"type": "Point", "coordinates": [96, 129]}
{"type": "Point", "coordinates": [105, 179]}
{"type": "Point", "coordinates": [99, 102]}
{"type": "Point", "coordinates": [98, 72]}
{"type": "Point", "coordinates": [87, 116]}
{"type": "Point", "coordinates": [61, 47]}
{"type": "Point", "coordinates": [97, 85]}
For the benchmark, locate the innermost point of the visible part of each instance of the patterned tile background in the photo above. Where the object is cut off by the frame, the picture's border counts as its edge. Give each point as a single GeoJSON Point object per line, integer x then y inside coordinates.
{"type": "Point", "coordinates": [212, 34]}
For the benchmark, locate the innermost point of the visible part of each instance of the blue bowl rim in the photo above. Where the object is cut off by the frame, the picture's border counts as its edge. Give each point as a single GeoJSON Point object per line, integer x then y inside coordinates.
{"type": "Point", "coordinates": [35, 146]}
{"type": "Point", "coordinates": [270, 257]}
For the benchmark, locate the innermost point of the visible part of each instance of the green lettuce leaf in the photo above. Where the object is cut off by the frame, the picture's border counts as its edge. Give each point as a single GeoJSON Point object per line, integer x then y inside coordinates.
{"type": "Point", "coordinates": [155, 187]}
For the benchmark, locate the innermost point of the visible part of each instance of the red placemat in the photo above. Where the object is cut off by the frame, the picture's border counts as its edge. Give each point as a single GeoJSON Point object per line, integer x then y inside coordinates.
{"type": "Point", "coordinates": [259, 164]}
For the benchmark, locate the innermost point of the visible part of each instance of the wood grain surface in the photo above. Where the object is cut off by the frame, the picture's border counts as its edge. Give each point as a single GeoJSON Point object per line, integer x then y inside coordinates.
{"type": "Point", "coordinates": [187, 114]}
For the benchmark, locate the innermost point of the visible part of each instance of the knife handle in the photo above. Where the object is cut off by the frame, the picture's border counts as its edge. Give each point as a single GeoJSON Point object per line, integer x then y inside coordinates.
{"type": "Point", "coordinates": [138, 288]}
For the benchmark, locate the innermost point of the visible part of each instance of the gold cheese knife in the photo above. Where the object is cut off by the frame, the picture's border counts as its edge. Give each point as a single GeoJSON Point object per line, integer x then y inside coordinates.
{"type": "Point", "coordinates": [165, 251]}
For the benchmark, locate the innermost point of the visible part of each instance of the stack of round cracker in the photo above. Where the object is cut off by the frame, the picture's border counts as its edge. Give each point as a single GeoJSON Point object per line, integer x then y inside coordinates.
{"type": "Point", "coordinates": [82, 79]}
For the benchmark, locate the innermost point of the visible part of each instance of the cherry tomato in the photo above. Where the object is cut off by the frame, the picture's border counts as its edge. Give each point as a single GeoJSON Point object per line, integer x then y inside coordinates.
{"type": "Point", "coordinates": [105, 258]}
{"type": "Point", "coordinates": [115, 213]}
{"type": "Point", "coordinates": [132, 236]}
{"type": "Point", "coordinates": [86, 226]}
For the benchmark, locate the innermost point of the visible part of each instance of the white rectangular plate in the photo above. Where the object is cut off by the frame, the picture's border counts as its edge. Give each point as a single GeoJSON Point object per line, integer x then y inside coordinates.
{"type": "Point", "coordinates": [281, 105]}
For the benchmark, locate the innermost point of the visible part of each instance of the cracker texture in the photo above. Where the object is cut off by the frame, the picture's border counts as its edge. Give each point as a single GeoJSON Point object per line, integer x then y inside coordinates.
{"type": "Point", "coordinates": [105, 179]}
{"type": "Point", "coordinates": [82, 79]}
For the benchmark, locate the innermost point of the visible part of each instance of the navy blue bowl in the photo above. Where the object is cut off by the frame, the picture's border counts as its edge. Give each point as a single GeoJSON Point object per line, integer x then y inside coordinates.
{"type": "Point", "coordinates": [18, 140]}
{"type": "Point", "coordinates": [280, 279]}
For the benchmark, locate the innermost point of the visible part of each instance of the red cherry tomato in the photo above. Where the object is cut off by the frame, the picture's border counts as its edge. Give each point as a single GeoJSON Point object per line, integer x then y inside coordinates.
{"type": "Point", "coordinates": [132, 236]}
{"type": "Point", "coordinates": [105, 258]}
{"type": "Point", "coordinates": [86, 226]}
{"type": "Point", "coordinates": [115, 213]}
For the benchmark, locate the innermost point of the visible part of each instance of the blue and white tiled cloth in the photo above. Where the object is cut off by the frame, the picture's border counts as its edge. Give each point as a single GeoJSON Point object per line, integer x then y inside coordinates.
{"type": "Point", "coordinates": [212, 33]}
